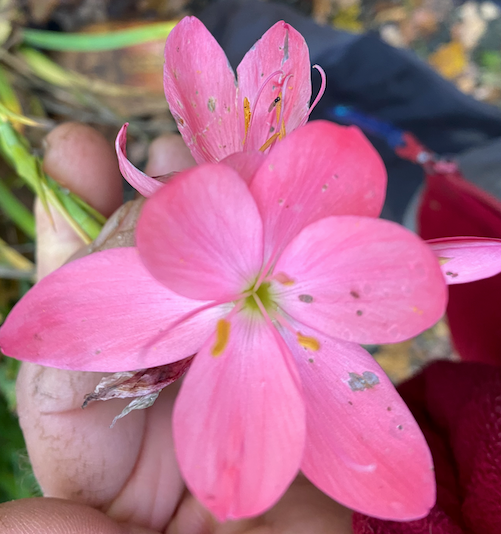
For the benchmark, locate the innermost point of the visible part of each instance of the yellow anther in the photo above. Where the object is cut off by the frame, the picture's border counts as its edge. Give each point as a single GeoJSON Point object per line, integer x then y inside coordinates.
{"type": "Point", "coordinates": [282, 132]}
{"type": "Point", "coordinates": [222, 337]}
{"type": "Point", "coordinates": [278, 107]}
{"type": "Point", "coordinates": [443, 261]}
{"type": "Point", "coordinates": [247, 116]}
{"type": "Point", "coordinates": [269, 142]}
{"type": "Point", "coordinates": [309, 343]}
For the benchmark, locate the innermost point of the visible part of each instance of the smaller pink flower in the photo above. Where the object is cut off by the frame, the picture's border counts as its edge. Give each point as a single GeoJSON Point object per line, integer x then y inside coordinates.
{"type": "Point", "coordinates": [273, 282]}
{"type": "Point", "coordinates": [219, 115]}
{"type": "Point", "coordinates": [466, 259]}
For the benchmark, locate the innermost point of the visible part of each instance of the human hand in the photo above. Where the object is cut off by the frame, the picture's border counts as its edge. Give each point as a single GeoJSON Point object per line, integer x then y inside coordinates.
{"type": "Point", "coordinates": [125, 479]}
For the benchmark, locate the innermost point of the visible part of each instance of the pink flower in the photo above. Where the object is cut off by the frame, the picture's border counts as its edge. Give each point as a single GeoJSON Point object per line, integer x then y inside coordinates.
{"type": "Point", "coordinates": [273, 282]}
{"type": "Point", "coordinates": [466, 259]}
{"type": "Point", "coordinates": [218, 116]}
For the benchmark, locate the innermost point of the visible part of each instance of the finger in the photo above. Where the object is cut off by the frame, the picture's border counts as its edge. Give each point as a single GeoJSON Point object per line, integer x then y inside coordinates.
{"type": "Point", "coordinates": [74, 453]}
{"type": "Point", "coordinates": [54, 516]}
{"type": "Point", "coordinates": [303, 508]}
{"type": "Point", "coordinates": [79, 158]}
{"type": "Point", "coordinates": [49, 400]}
{"type": "Point", "coordinates": [168, 153]}
{"type": "Point", "coordinates": [129, 471]}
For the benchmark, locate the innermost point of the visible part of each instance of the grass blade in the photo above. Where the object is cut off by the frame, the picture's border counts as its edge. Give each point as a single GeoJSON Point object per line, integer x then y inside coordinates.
{"type": "Point", "coordinates": [96, 42]}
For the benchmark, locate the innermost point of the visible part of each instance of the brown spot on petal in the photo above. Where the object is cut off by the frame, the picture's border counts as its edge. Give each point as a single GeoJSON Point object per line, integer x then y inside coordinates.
{"type": "Point", "coordinates": [451, 274]}
{"type": "Point", "coordinates": [306, 298]}
{"type": "Point", "coordinates": [211, 104]}
{"type": "Point", "coordinates": [359, 312]}
{"type": "Point", "coordinates": [355, 294]}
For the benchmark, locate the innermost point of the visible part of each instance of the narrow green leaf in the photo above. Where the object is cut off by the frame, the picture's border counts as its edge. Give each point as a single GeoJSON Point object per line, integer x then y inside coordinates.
{"type": "Point", "coordinates": [95, 42]}
{"type": "Point", "coordinates": [13, 146]}
{"type": "Point", "coordinates": [8, 96]}
{"type": "Point", "coordinates": [16, 211]}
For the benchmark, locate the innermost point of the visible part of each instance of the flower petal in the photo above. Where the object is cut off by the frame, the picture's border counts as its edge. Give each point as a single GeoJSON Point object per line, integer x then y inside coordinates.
{"type": "Point", "coordinates": [361, 279]}
{"type": "Point", "coordinates": [363, 446]}
{"type": "Point", "coordinates": [282, 49]}
{"type": "Point", "coordinates": [239, 422]}
{"type": "Point", "coordinates": [466, 259]}
{"type": "Point", "coordinates": [201, 234]}
{"type": "Point", "coordinates": [319, 170]}
{"type": "Point", "coordinates": [141, 182]}
{"type": "Point", "coordinates": [200, 88]}
{"type": "Point", "coordinates": [245, 163]}
{"type": "Point", "coordinates": [105, 312]}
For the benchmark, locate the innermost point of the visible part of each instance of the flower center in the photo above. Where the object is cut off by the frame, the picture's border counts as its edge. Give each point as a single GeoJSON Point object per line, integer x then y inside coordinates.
{"type": "Point", "coordinates": [262, 296]}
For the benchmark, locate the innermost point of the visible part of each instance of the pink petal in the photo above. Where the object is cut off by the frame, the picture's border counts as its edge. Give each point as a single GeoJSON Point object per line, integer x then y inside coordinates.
{"type": "Point", "coordinates": [282, 49]}
{"type": "Point", "coordinates": [104, 312]}
{"type": "Point", "coordinates": [201, 234]}
{"type": "Point", "coordinates": [319, 170]}
{"type": "Point", "coordinates": [245, 163]}
{"type": "Point", "coordinates": [466, 259]}
{"type": "Point", "coordinates": [141, 182]}
{"type": "Point", "coordinates": [361, 279]}
{"type": "Point", "coordinates": [239, 423]}
{"type": "Point", "coordinates": [200, 88]}
{"type": "Point", "coordinates": [363, 446]}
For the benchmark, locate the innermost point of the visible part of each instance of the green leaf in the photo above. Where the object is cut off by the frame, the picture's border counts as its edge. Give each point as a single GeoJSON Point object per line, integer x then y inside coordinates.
{"type": "Point", "coordinates": [95, 42]}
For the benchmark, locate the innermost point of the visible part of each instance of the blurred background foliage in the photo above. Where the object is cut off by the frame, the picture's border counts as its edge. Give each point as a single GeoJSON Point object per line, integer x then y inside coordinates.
{"type": "Point", "coordinates": [100, 62]}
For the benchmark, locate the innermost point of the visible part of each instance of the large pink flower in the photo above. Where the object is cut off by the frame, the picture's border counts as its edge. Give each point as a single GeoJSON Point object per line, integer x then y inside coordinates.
{"type": "Point", "coordinates": [219, 115]}
{"type": "Point", "coordinates": [273, 282]}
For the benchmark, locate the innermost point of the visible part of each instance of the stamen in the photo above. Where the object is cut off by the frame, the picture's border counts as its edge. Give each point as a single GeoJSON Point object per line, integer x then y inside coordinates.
{"type": "Point", "coordinates": [278, 108]}
{"type": "Point", "coordinates": [270, 141]}
{"type": "Point", "coordinates": [263, 275]}
{"type": "Point", "coordinates": [222, 337]}
{"type": "Point", "coordinates": [279, 104]}
{"type": "Point", "coordinates": [280, 121]}
{"type": "Point", "coordinates": [247, 117]}
{"type": "Point", "coordinates": [319, 95]}
{"type": "Point", "coordinates": [251, 117]}
{"type": "Point", "coordinates": [282, 321]}
{"type": "Point", "coordinates": [280, 118]}
{"type": "Point", "coordinates": [308, 342]}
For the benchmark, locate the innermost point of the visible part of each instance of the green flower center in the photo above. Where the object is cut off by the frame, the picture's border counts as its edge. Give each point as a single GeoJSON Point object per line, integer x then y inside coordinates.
{"type": "Point", "coordinates": [262, 293]}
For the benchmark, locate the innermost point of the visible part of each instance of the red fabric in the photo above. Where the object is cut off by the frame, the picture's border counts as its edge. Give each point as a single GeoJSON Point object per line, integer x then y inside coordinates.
{"type": "Point", "coordinates": [452, 206]}
{"type": "Point", "coordinates": [458, 406]}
